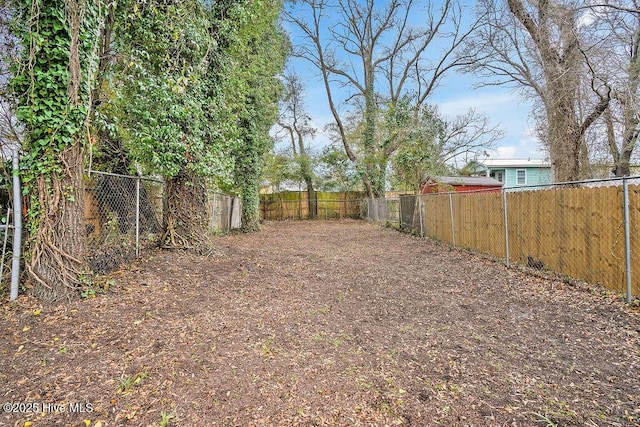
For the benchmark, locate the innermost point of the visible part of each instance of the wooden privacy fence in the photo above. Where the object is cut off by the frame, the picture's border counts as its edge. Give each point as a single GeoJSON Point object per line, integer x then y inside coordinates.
{"type": "Point", "coordinates": [295, 205]}
{"type": "Point", "coordinates": [579, 230]}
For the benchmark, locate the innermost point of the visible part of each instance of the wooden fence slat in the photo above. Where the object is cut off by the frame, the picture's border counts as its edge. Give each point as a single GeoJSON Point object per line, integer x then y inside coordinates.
{"type": "Point", "coordinates": [575, 231]}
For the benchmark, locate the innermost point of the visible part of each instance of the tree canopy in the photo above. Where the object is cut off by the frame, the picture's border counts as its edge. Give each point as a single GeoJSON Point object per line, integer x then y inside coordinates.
{"type": "Point", "coordinates": [185, 90]}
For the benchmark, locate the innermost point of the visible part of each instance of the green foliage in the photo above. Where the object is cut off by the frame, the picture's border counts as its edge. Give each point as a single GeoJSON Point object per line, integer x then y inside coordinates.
{"type": "Point", "coordinates": [163, 92]}
{"type": "Point", "coordinates": [127, 383]}
{"type": "Point", "coordinates": [166, 418]}
{"type": "Point", "coordinates": [51, 88]}
{"type": "Point", "coordinates": [260, 50]}
{"type": "Point", "coordinates": [337, 172]}
{"type": "Point", "coordinates": [279, 168]}
{"type": "Point", "coordinates": [471, 168]}
{"type": "Point", "coordinates": [419, 139]}
{"type": "Point", "coordinates": [194, 88]}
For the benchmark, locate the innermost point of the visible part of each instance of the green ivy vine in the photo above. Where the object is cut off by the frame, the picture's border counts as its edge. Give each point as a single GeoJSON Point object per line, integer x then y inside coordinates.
{"type": "Point", "coordinates": [50, 86]}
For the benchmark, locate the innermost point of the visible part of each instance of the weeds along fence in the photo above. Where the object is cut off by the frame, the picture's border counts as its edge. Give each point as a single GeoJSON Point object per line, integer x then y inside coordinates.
{"type": "Point", "coordinates": [585, 230]}
{"type": "Point", "coordinates": [123, 216]}
{"type": "Point", "coordinates": [291, 205]}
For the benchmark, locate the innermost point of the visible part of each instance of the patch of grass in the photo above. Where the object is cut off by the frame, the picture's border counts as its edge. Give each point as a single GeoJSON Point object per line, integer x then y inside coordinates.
{"type": "Point", "coordinates": [325, 310]}
{"type": "Point", "coordinates": [339, 340]}
{"type": "Point", "coordinates": [362, 384]}
{"type": "Point", "coordinates": [544, 419]}
{"type": "Point", "coordinates": [127, 383]}
{"type": "Point", "coordinates": [267, 349]}
{"type": "Point", "coordinates": [386, 408]}
{"type": "Point", "coordinates": [166, 418]}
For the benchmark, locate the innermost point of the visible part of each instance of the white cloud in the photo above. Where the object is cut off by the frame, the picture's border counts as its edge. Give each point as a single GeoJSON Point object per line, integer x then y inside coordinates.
{"type": "Point", "coordinates": [486, 103]}
{"type": "Point", "coordinates": [528, 147]}
{"type": "Point", "coordinates": [506, 152]}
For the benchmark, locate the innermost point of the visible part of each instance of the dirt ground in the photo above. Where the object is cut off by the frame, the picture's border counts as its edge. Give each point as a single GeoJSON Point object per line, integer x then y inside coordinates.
{"type": "Point", "coordinates": [320, 324]}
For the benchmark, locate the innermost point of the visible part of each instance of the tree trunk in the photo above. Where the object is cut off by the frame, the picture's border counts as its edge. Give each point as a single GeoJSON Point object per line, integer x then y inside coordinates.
{"type": "Point", "coordinates": [307, 175]}
{"type": "Point", "coordinates": [185, 219]}
{"type": "Point", "coordinates": [373, 172]}
{"type": "Point", "coordinates": [58, 247]}
{"type": "Point", "coordinates": [623, 166]}
{"type": "Point", "coordinates": [250, 207]}
{"type": "Point", "coordinates": [564, 144]}
{"type": "Point", "coordinates": [312, 200]}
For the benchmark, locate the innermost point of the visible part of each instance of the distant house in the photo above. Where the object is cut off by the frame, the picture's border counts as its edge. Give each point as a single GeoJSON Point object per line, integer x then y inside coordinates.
{"type": "Point", "coordinates": [441, 184]}
{"type": "Point", "coordinates": [517, 172]}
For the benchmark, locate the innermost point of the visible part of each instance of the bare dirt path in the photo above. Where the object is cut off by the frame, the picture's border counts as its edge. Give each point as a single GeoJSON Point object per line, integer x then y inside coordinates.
{"type": "Point", "coordinates": [320, 324]}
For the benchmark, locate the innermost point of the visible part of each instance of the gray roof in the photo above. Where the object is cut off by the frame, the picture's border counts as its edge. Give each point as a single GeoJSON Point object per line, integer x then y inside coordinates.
{"type": "Point", "coordinates": [515, 163]}
{"type": "Point", "coordinates": [466, 180]}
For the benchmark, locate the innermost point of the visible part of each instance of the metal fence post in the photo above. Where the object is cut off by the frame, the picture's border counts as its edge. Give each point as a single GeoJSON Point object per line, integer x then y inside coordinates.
{"type": "Point", "coordinates": [138, 216]}
{"type": "Point", "coordinates": [506, 225]}
{"type": "Point", "coordinates": [627, 238]}
{"type": "Point", "coordinates": [453, 227]}
{"type": "Point", "coordinates": [17, 226]}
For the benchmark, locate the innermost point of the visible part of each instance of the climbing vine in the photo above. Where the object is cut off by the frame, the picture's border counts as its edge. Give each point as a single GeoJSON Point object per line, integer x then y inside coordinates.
{"type": "Point", "coordinates": [164, 95]}
{"type": "Point", "coordinates": [51, 86]}
{"type": "Point", "coordinates": [261, 51]}
{"type": "Point", "coordinates": [191, 93]}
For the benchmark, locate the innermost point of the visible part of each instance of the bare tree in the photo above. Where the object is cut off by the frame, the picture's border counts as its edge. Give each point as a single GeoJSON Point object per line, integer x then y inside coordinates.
{"type": "Point", "coordinates": [374, 56]}
{"type": "Point", "coordinates": [618, 26]}
{"type": "Point", "coordinates": [430, 143]}
{"type": "Point", "coordinates": [296, 128]}
{"type": "Point", "coordinates": [541, 48]}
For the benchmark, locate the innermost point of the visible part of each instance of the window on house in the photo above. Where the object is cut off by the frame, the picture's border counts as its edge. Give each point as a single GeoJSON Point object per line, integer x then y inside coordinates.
{"type": "Point", "coordinates": [521, 176]}
{"type": "Point", "coordinates": [497, 175]}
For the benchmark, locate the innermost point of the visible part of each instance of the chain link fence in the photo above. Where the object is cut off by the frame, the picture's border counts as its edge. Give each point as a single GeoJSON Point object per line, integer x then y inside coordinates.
{"type": "Point", "coordinates": [385, 210]}
{"type": "Point", "coordinates": [587, 230]}
{"type": "Point", "coordinates": [123, 216]}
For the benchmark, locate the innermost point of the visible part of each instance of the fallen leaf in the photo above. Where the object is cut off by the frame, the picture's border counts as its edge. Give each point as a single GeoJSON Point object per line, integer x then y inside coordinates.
{"type": "Point", "coordinates": [25, 329]}
{"type": "Point", "coordinates": [37, 312]}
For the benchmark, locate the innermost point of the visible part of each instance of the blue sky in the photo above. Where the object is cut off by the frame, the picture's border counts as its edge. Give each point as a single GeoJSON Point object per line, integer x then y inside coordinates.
{"type": "Point", "coordinates": [456, 94]}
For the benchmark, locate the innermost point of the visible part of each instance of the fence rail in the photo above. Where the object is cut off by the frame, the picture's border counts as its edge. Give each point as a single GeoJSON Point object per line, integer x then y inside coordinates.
{"type": "Point", "coordinates": [586, 230]}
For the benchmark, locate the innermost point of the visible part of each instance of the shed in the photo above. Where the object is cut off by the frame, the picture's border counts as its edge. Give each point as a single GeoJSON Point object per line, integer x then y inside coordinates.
{"type": "Point", "coordinates": [441, 184]}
